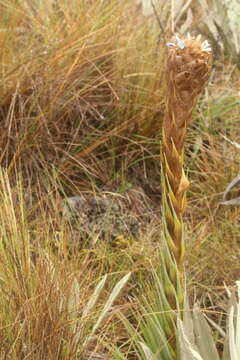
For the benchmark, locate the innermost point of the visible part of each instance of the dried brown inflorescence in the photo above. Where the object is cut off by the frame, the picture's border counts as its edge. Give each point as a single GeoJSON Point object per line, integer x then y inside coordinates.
{"type": "Point", "coordinates": [187, 71]}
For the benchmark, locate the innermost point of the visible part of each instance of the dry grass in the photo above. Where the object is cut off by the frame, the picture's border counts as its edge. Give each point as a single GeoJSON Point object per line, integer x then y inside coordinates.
{"type": "Point", "coordinates": [213, 163]}
{"type": "Point", "coordinates": [69, 90]}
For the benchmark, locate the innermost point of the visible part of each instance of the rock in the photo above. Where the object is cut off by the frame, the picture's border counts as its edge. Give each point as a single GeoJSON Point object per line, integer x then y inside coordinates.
{"type": "Point", "coordinates": [102, 216]}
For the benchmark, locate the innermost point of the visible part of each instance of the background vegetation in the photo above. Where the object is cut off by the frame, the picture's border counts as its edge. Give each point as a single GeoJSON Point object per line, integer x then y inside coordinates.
{"type": "Point", "coordinates": [81, 107]}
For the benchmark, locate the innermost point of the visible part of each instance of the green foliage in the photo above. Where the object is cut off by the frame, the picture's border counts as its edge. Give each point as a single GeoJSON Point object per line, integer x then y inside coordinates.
{"type": "Point", "coordinates": [153, 338]}
{"type": "Point", "coordinates": [195, 336]}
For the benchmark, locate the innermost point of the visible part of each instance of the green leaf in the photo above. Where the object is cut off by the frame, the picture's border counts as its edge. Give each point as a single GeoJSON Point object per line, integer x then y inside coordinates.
{"type": "Point", "coordinates": [148, 353]}
{"type": "Point", "coordinates": [79, 324]}
{"type": "Point", "coordinates": [187, 350]}
{"type": "Point", "coordinates": [114, 294]}
{"type": "Point", "coordinates": [204, 338]}
{"type": "Point", "coordinates": [232, 345]}
{"type": "Point", "coordinates": [234, 328]}
{"type": "Point", "coordinates": [188, 321]}
{"type": "Point", "coordinates": [74, 298]}
{"type": "Point", "coordinates": [238, 321]}
{"type": "Point", "coordinates": [232, 335]}
{"type": "Point", "coordinates": [93, 299]}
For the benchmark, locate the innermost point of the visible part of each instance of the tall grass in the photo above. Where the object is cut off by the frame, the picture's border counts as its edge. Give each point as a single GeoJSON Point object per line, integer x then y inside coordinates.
{"type": "Point", "coordinates": [50, 308]}
{"type": "Point", "coordinates": [73, 79]}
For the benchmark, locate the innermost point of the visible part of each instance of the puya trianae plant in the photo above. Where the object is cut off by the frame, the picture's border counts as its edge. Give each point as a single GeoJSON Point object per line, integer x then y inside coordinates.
{"type": "Point", "coordinates": [187, 71]}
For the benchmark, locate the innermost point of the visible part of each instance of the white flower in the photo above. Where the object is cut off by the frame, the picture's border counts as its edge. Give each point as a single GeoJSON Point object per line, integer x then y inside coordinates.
{"type": "Point", "coordinates": [180, 42]}
{"type": "Point", "coordinates": [205, 46]}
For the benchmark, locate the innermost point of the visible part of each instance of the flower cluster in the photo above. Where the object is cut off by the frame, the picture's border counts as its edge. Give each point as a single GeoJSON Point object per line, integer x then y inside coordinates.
{"type": "Point", "coordinates": [181, 44]}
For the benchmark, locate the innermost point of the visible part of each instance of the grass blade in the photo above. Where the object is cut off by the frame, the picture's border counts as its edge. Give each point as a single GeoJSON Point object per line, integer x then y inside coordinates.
{"type": "Point", "coordinates": [114, 294]}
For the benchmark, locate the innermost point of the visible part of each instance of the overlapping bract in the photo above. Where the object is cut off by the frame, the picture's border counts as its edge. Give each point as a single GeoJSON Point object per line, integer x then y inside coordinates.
{"type": "Point", "coordinates": [187, 72]}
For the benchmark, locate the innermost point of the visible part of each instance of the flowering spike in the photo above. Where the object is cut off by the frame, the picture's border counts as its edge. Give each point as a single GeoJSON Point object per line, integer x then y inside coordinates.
{"type": "Point", "coordinates": [187, 71]}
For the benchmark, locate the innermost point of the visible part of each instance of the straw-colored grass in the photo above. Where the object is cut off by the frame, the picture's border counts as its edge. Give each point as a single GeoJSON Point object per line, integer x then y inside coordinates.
{"type": "Point", "coordinates": [72, 81]}
{"type": "Point", "coordinates": [51, 308]}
